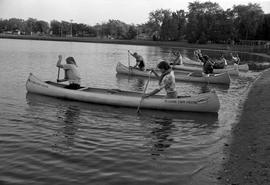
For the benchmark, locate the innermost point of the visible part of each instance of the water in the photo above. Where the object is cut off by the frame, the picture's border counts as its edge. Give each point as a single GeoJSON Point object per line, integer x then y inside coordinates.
{"type": "Point", "coordinates": [52, 141]}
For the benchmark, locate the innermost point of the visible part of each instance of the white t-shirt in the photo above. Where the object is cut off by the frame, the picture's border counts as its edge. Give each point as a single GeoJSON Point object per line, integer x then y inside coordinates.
{"type": "Point", "coordinates": [72, 73]}
{"type": "Point", "coordinates": [168, 83]}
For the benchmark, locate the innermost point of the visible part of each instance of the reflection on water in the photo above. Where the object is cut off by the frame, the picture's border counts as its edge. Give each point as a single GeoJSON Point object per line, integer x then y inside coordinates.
{"type": "Point", "coordinates": [120, 142]}
{"type": "Point", "coordinates": [69, 117]}
{"type": "Point", "coordinates": [161, 135]}
{"type": "Point", "coordinates": [72, 109]}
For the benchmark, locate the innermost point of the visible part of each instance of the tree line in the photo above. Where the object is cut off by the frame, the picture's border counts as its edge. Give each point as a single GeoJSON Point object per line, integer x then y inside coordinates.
{"type": "Point", "coordinates": [202, 23]}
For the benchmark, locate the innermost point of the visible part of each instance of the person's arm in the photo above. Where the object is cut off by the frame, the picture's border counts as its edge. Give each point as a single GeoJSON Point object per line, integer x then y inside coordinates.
{"type": "Point", "coordinates": [137, 64]}
{"type": "Point", "coordinates": [162, 86]}
{"type": "Point", "coordinates": [155, 73]}
{"type": "Point", "coordinates": [58, 64]}
{"type": "Point", "coordinates": [61, 66]}
{"type": "Point", "coordinates": [151, 93]}
{"type": "Point", "coordinates": [181, 59]}
{"type": "Point", "coordinates": [238, 59]}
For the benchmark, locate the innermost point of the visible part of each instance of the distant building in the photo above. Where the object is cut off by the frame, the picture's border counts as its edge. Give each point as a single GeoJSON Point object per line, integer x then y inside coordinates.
{"type": "Point", "coordinates": [16, 32]}
{"type": "Point", "coordinates": [143, 36]}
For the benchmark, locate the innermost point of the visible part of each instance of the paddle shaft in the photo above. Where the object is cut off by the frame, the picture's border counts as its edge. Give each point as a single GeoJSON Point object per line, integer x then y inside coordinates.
{"type": "Point", "coordinates": [138, 109]}
{"type": "Point", "coordinates": [58, 74]}
{"type": "Point", "coordinates": [128, 59]}
{"type": "Point", "coordinates": [128, 62]}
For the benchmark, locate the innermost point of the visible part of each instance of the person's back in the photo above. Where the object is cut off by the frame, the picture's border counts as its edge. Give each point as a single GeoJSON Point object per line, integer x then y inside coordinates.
{"type": "Point", "coordinates": [179, 59]}
{"type": "Point", "coordinates": [71, 72]}
{"type": "Point", "coordinates": [139, 61]}
{"type": "Point", "coordinates": [168, 82]}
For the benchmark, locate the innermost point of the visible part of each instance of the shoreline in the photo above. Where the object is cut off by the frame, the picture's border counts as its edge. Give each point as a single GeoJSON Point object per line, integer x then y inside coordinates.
{"type": "Point", "coordinates": [117, 41]}
{"type": "Point", "coordinates": [247, 160]}
{"type": "Point", "coordinates": [174, 44]}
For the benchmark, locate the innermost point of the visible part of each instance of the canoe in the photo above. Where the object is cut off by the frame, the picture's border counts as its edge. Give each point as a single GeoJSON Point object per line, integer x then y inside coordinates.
{"type": "Point", "coordinates": [241, 67]}
{"type": "Point", "coordinates": [232, 71]}
{"type": "Point", "coordinates": [205, 102]}
{"type": "Point", "coordinates": [223, 78]}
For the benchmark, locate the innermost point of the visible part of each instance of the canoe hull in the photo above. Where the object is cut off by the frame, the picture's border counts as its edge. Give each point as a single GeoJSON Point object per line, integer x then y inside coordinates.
{"type": "Point", "coordinates": [179, 75]}
{"type": "Point", "coordinates": [232, 71]}
{"type": "Point", "coordinates": [241, 67]}
{"type": "Point", "coordinates": [206, 102]}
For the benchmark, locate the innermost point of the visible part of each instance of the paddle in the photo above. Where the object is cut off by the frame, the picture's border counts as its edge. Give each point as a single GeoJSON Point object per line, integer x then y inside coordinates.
{"type": "Point", "coordinates": [58, 74]}
{"type": "Point", "coordinates": [138, 109]}
{"type": "Point", "coordinates": [128, 62]}
{"type": "Point", "coordinates": [128, 59]}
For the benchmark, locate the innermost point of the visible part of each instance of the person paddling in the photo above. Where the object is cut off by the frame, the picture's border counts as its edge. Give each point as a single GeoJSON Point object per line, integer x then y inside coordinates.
{"type": "Point", "coordinates": [235, 59]}
{"type": "Point", "coordinates": [71, 72]}
{"type": "Point", "coordinates": [208, 65]}
{"type": "Point", "coordinates": [178, 58]}
{"type": "Point", "coordinates": [166, 81]}
{"type": "Point", "coordinates": [139, 61]}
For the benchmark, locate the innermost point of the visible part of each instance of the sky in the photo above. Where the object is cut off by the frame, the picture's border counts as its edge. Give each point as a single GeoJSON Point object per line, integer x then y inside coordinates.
{"type": "Point", "coordinates": [91, 12]}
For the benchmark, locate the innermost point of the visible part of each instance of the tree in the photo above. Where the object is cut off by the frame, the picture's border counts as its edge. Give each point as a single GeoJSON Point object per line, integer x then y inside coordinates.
{"type": "Point", "coordinates": [31, 26]}
{"type": "Point", "coordinates": [247, 19]}
{"type": "Point", "coordinates": [202, 18]}
{"type": "Point", "coordinates": [180, 18]}
{"type": "Point", "coordinates": [42, 27]}
{"type": "Point", "coordinates": [132, 32]}
{"type": "Point", "coordinates": [155, 21]}
{"type": "Point", "coordinates": [263, 31]}
{"type": "Point", "coordinates": [56, 27]}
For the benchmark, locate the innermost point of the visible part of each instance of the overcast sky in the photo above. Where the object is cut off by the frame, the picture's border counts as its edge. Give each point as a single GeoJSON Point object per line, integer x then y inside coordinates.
{"type": "Point", "coordinates": [97, 11]}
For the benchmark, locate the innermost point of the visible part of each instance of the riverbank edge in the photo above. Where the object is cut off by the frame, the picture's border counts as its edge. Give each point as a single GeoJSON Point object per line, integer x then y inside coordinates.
{"type": "Point", "coordinates": [247, 160]}
{"type": "Point", "coordinates": [174, 44]}
{"type": "Point", "coordinates": [117, 41]}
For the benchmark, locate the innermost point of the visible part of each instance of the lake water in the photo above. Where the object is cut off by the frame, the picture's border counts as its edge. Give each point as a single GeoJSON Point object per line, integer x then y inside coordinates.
{"type": "Point", "coordinates": [52, 141]}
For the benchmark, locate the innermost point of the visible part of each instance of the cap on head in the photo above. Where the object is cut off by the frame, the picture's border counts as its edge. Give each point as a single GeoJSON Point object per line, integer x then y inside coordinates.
{"type": "Point", "coordinates": [135, 53]}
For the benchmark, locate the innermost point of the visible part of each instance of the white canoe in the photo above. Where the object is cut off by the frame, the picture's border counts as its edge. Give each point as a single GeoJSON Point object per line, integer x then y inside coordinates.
{"type": "Point", "coordinates": [222, 78]}
{"type": "Point", "coordinates": [232, 71]}
{"type": "Point", "coordinates": [241, 67]}
{"type": "Point", "coordinates": [205, 102]}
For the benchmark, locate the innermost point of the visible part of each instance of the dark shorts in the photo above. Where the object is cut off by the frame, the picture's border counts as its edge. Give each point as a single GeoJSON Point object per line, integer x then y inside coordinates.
{"type": "Point", "coordinates": [73, 86]}
{"type": "Point", "coordinates": [208, 69]}
{"type": "Point", "coordinates": [171, 95]}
